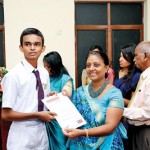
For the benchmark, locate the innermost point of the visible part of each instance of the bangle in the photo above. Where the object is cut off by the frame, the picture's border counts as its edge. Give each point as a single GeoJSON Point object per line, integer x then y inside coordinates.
{"type": "Point", "coordinates": [87, 134]}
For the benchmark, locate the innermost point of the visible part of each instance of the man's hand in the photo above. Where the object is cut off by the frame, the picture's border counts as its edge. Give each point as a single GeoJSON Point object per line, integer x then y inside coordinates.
{"type": "Point", "coordinates": [46, 115]}
{"type": "Point", "coordinates": [52, 93]}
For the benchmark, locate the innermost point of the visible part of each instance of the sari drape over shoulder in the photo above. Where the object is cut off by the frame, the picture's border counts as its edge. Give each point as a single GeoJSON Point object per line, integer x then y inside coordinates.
{"type": "Point", "coordinates": [57, 141]}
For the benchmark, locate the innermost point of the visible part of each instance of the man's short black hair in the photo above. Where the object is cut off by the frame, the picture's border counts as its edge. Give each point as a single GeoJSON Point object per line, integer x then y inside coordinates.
{"type": "Point", "coordinates": [31, 31]}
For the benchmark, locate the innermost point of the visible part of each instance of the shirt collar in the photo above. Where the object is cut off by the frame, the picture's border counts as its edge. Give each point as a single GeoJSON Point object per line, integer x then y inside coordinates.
{"type": "Point", "coordinates": [28, 66]}
{"type": "Point", "coordinates": [145, 73]}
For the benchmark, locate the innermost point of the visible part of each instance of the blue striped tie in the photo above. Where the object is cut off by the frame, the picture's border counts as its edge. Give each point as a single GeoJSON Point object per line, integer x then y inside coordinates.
{"type": "Point", "coordinates": [40, 90]}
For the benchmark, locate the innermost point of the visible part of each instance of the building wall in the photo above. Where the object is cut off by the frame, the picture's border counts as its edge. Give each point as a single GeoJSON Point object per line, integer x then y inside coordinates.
{"type": "Point", "coordinates": [146, 20]}
{"type": "Point", "coordinates": [55, 18]}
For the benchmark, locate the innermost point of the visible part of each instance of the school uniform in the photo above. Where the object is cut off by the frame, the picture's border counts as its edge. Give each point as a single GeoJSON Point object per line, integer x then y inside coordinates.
{"type": "Point", "coordinates": [20, 94]}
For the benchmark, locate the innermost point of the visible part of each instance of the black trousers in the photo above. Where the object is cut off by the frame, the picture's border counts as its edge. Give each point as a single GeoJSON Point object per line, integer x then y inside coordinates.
{"type": "Point", "coordinates": [139, 137]}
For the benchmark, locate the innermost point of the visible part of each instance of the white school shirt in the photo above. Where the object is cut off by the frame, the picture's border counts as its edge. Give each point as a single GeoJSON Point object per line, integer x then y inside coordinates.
{"type": "Point", "coordinates": [139, 112]}
{"type": "Point", "coordinates": [19, 87]}
{"type": "Point", "coordinates": [20, 94]}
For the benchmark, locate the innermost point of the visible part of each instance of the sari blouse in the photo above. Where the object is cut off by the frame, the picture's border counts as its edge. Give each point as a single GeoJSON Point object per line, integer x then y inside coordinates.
{"type": "Point", "coordinates": [57, 84]}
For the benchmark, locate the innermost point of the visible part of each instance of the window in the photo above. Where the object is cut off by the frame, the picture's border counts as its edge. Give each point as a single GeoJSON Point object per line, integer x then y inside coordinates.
{"type": "Point", "coordinates": [109, 24]}
{"type": "Point", "coordinates": [2, 54]}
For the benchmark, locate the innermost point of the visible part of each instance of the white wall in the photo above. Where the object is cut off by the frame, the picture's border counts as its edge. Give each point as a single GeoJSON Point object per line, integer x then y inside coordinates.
{"type": "Point", "coordinates": [54, 18]}
{"type": "Point", "coordinates": [147, 20]}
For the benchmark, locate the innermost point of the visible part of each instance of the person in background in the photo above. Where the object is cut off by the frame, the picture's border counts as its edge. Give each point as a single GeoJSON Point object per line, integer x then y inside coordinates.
{"type": "Point", "coordinates": [138, 112]}
{"type": "Point", "coordinates": [20, 101]}
{"type": "Point", "coordinates": [60, 81]}
{"type": "Point", "coordinates": [101, 105]}
{"type": "Point", "coordinates": [110, 73]}
{"type": "Point", "coordinates": [128, 77]}
{"type": "Point", "coordinates": [129, 74]}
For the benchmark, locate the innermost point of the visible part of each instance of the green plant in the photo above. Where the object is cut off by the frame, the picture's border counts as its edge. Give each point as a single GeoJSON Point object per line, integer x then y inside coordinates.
{"type": "Point", "coordinates": [3, 71]}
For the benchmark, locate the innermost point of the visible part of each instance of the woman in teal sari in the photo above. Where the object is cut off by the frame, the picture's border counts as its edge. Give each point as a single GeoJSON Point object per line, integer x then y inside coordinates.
{"type": "Point", "coordinates": [101, 105]}
{"type": "Point", "coordinates": [60, 81]}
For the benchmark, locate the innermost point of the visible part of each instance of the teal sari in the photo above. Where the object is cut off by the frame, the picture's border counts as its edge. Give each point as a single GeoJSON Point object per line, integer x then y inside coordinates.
{"type": "Point", "coordinates": [93, 111]}
{"type": "Point", "coordinates": [57, 140]}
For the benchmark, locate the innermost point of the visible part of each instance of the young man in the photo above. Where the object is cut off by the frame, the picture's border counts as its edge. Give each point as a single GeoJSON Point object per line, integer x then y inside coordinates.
{"type": "Point", "coordinates": [138, 113]}
{"type": "Point", "coordinates": [21, 93]}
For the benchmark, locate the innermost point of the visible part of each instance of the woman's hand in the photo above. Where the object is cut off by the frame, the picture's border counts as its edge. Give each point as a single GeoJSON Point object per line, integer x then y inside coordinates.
{"type": "Point", "coordinates": [65, 93]}
{"type": "Point", "coordinates": [73, 133]}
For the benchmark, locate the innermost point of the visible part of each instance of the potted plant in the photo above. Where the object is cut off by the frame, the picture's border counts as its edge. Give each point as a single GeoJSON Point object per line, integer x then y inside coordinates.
{"type": "Point", "coordinates": [4, 126]}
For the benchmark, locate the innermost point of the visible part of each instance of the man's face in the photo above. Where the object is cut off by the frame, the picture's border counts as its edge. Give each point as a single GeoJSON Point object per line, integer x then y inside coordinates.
{"type": "Point", "coordinates": [139, 58]}
{"type": "Point", "coordinates": [32, 46]}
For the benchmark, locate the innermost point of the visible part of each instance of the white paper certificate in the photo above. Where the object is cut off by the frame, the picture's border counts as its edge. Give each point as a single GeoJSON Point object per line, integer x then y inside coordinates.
{"type": "Point", "coordinates": [67, 114]}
